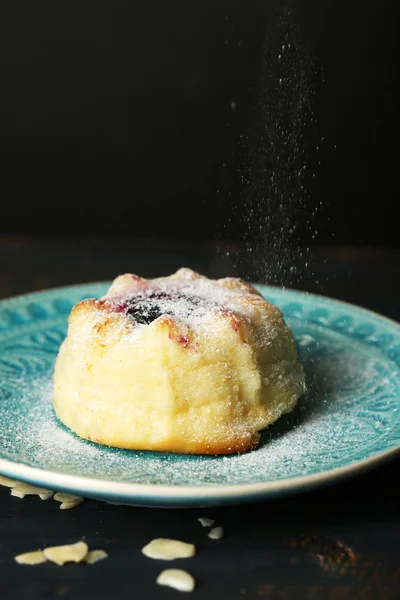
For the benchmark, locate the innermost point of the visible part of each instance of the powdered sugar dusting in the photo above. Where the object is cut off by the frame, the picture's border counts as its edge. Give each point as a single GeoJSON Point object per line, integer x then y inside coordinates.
{"type": "Point", "coordinates": [187, 300]}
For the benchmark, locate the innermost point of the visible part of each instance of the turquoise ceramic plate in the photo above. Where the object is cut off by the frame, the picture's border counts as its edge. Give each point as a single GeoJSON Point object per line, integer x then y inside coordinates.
{"type": "Point", "coordinates": [348, 421]}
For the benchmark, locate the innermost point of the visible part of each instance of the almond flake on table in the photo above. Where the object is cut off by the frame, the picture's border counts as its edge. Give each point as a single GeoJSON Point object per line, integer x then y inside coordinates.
{"type": "Point", "coordinates": [165, 549]}
{"type": "Point", "coordinates": [7, 482]}
{"type": "Point", "coordinates": [178, 579]}
{"type": "Point", "coordinates": [36, 557]}
{"type": "Point", "coordinates": [216, 533]}
{"type": "Point", "coordinates": [67, 505]}
{"type": "Point", "coordinates": [68, 553]}
{"type": "Point", "coordinates": [21, 489]}
{"type": "Point", "coordinates": [67, 500]}
{"type": "Point", "coordinates": [206, 522]}
{"type": "Point", "coordinates": [94, 556]}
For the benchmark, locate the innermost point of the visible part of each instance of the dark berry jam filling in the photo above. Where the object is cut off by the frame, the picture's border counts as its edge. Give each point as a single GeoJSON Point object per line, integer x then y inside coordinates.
{"type": "Point", "coordinates": [146, 307]}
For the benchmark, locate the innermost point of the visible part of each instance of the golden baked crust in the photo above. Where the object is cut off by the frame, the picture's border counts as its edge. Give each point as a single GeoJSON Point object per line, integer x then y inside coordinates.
{"type": "Point", "coordinates": [179, 363]}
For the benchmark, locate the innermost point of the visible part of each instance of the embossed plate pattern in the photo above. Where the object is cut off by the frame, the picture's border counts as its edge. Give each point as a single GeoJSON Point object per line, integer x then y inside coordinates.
{"type": "Point", "coordinates": [347, 422]}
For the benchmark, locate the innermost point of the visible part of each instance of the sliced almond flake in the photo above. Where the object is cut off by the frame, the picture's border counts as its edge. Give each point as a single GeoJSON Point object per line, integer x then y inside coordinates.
{"type": "Point", "coordinates": [7, 482]}
{"type": "Point", "coordinates": [216, 533]}
{"type": "Point", "coordinates": [178, 579]}
{"type": "Point", "coordinates": [46, 495]}
{"type": "Point", "coordinates": [206, 522]}
{"type": "Point", "coordinates": [72, 504]}
{"type": "Point", "coordinates": [165, 549]}
{"type": "Point", "coordinates": [31, 558]}
{"type": "Point", "coordinates": [64, 497]}
{"type": "Point", "coordinates": [69, 553]}
{"type": "Point", "coordinates": [94, 556]}
{"type": "Point", "coordinates": [21, 489]}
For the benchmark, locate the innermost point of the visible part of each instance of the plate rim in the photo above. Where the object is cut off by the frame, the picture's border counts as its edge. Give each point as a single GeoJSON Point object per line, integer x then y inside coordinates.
{"type": "Point", "coordinates": [142, 491]}
{"type": "Point", "coordinates": [157, 492]}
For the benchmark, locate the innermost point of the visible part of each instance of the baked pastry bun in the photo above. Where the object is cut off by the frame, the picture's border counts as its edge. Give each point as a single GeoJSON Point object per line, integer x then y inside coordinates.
{"type": "Point", "coordinates": [180, 364]}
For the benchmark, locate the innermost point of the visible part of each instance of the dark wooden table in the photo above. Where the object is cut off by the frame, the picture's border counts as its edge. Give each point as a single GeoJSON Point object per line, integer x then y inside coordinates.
{"type": "Point", "coordinates": [338, 543]}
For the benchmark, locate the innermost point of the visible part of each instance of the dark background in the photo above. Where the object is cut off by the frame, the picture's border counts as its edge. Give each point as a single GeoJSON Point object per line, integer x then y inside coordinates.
{"type": "Point", "coordinates": [169, 119]}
